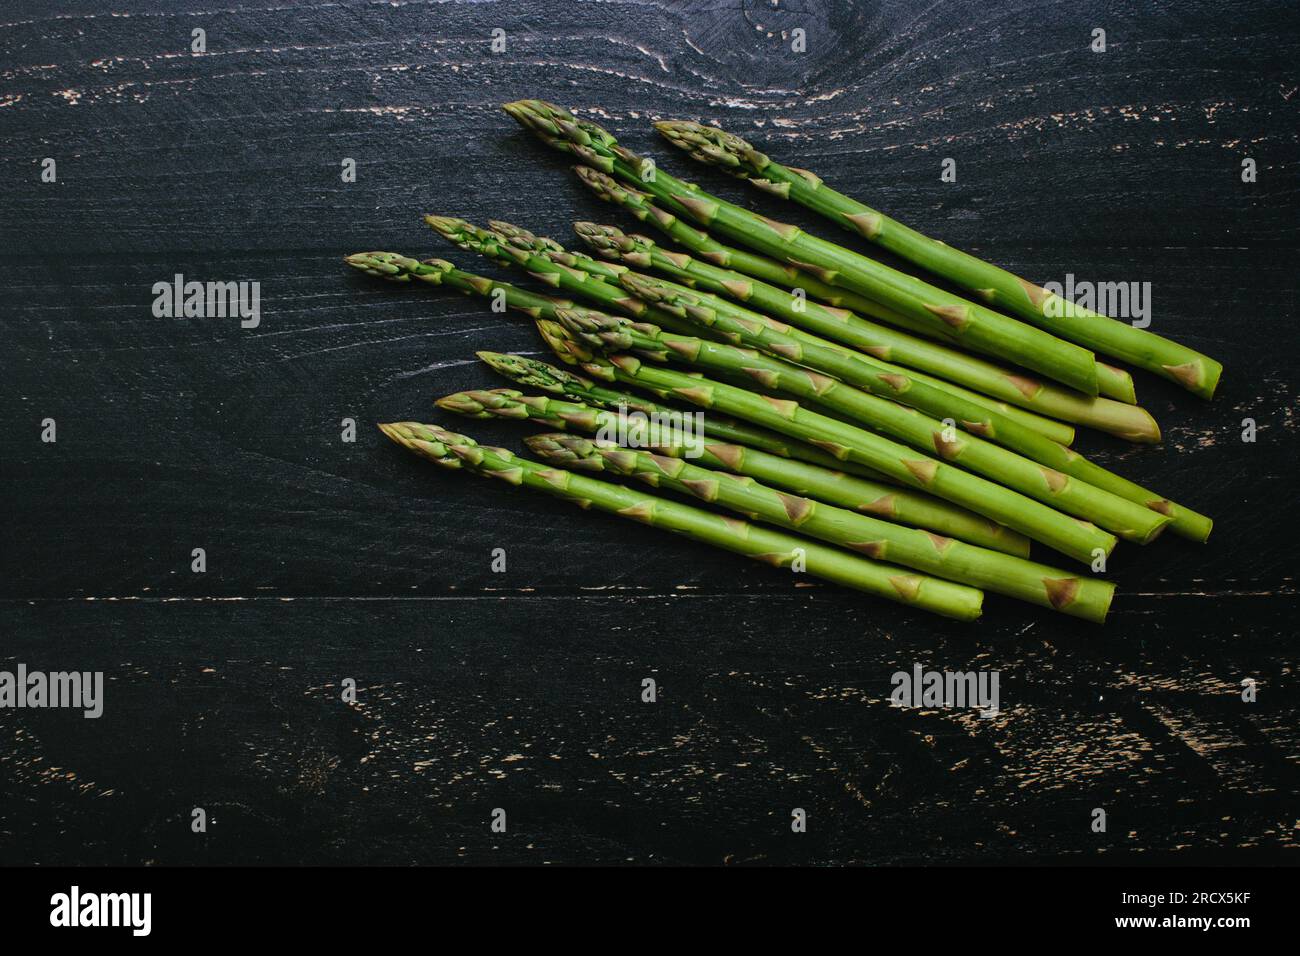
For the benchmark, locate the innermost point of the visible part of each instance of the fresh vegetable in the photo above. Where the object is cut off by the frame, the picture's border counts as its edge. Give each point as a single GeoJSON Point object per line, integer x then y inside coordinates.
{"type": "Point", "coordinates": [591, 287]}
{"type": "Point", "coordinates": [451, 450]}
{"type": "Point", "coordinates": [622, 275]}
{"type": "Point", "coordinates": [1197, 373]}
{"type": "Point", "coordinates": [939, 313]}
{"type": "Point", "coordinates": [438, 272]}
{"type": "Point", "coordinates": [827, 399]}
{"type": "Point", "coordinates": [740, 326]}
{"type": "Point", "coordinates": [815, 481]}
{"type": "Point", "coordinates": [1070, 536]}
{"type": "Point", "coordinates": [1119, 515]}
{"type": "Point", "coordinates": [943, 557]}
{"type": "Point", "coordinates": [847, 327]}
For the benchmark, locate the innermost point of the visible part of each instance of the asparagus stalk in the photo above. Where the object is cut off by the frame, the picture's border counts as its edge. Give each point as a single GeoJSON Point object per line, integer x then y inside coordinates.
{"type": "Point", "coordinates": [513, 245]}
{"type": "Point", "coordinates": [395, 267]}
{"type": "Point", "coordinates": [439, 272]}
{"type": "Point", "coordinates": [1119, 515]}
{"type": "Point", "coordinates": [451, 450]}
{"type": "Point", "coordinates": [621, 274]}
{"type": "Point", "coordinates": [1073, 537]}
{"type": "Point", "coordinates": [943, 557]}
{"type": "Point", "coordinates": [566, 269]}
{"type": "Point", "coordinates": [739, 326]}
{"type": "Point", "coordinates": [1195, 372]}
{"type": "Point", "coordinates": [825, 484]}
{"type": "Point", "coordinates": [883, 341]}
{"type": "Point", "coordinates": [591, 287]}
{"type": "Point", "coordinates": [941, 313]}
{"type": "Point", "coordinates": [714, 427]}
{"type": "Point", "coordinates": [946, 365]}
{"type": "Point", "coordinates": [721, 319]}
{"type": "Point", "coordinates": [503, 249]}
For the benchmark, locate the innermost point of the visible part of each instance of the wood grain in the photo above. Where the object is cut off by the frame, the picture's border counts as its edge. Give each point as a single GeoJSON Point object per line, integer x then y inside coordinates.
{"type": "Point", "coordinates": [328, 559]}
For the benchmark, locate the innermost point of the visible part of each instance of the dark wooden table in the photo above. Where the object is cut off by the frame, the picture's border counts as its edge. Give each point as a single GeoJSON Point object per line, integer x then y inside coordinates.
{"type": "Point", "coordinates": [329, 561]}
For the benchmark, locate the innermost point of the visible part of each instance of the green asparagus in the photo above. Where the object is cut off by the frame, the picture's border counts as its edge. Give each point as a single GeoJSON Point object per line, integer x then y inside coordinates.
{"type": "Point", "coordinates": [726, 321]}
{"type": "Point", "coordinates": [1119, 515]}
{"type": "Point", "coordinates": [498, 248]}
{"type": "Point", "coordinates": [398, 268]}
{"type": "Point", "coordinates": [825, 484]}
{"type": "Point", "coordinates": [739, 326]}
{"type": "Point", "coordinates": [621, 274]}
{"type": "Point", "coordinates": [451, 450]}
{"type": "Point", "coordinates": [1015, 387]}
{"type": "Point", "coordinates": [1197, 373]}
{"type": "Point", "coordinates": [541, 255]}
{"type": "Point", "coordinates": [395, 267]}
{"type": "Point", "coordinates": [941, 313]}
{"type": "Point", "coordinates": [1078, 539]}
{"type": "Point", "coordinates": [1083, 597]}
{"type": "Point", "coordinates": [1007, 390]}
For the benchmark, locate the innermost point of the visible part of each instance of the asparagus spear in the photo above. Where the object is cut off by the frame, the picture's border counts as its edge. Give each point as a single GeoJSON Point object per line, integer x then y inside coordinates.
{"type": "Point", "coordinates": [882, 342]}
{"type": "Point", "coordinates": [1119, 515]}
{"type": "Point", "coordinates": [595, 289]}
{"type": "Point", "coordinates": [739, 326]}
{"type": "Point", "coordinates": [1197, 373]}
{"type": "Point", "coordinates": [826, 484]}
{"type": "Point", "coordinates": [621, 274]}
{"type": "Point", "coordinates": [590, 286]}
{"type": "Point", "coordinates": [1112, 382]}
{"type": "Point", "coordinates": [535, 256]}
{"type": "Point", "coordinates": [451, 450]}
{"type": "Point", "coordinates": [395, 267]}
{"type": "Point", "coordinates": [943, 557]}
{"type": "Point", "coordinates": [439, 272]}
{"type": "Point", "coordinates": [548, 259]}
{"type": "Point", "coordinates": [1073, 537]}
{"type": "Point", "coordinates": [941, 313]}
{"type": "Point", "coordinates": [1015, 387]}
{"type": "Point", "coordinates": [721, 319]}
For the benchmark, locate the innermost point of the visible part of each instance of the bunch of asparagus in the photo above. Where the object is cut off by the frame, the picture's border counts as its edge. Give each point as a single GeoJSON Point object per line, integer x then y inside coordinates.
{"type": "Point", "coordinates": [841, 404]}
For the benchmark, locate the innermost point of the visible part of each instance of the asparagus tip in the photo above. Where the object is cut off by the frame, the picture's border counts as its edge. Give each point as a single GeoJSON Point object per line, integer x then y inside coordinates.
{"type": "Point", "coordinates": [399, 432]}
{"type": "Point", "coordinates": [386, 265]}
{"type": "Point", "coordinates": [444, 224]}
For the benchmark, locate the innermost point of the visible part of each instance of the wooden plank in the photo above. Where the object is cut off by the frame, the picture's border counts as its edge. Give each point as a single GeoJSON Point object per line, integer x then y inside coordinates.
{"type": "Point", "coordinates": [533, 703]}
